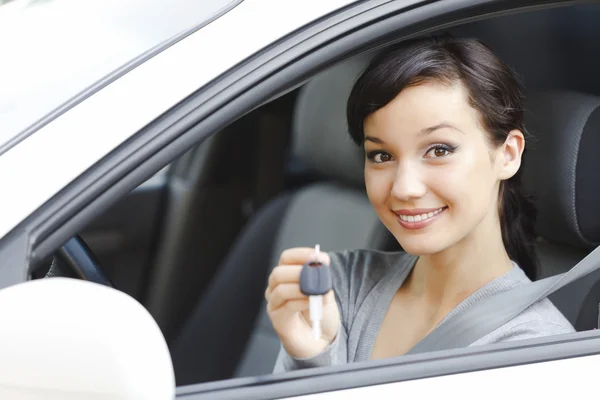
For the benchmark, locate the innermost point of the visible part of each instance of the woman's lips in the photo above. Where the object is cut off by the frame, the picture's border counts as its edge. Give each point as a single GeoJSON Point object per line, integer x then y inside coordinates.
{"type": "Point", "coordinates": [418, 218]}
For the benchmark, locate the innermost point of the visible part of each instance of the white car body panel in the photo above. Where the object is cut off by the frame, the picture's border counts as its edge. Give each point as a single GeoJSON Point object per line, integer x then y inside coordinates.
{"type": "Point", "coordinates": [72, 143]}
{"type": "Point", "coordinates": [560, 379]}
{"type": "Point", "coordinates": [55, 65]}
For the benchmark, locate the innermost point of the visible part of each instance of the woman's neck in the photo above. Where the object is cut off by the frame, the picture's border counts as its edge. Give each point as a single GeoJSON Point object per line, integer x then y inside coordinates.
{"type": "Point", "coordinates": [443, 280]}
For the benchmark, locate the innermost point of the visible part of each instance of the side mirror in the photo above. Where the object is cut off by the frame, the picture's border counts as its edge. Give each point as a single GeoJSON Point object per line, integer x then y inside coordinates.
{"type": "Point", "coordinates": [64, 338]}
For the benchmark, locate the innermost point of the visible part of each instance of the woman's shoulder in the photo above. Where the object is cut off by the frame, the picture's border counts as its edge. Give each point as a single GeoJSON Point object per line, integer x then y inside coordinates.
{"type": "Point", "coordinates": [540, 319]}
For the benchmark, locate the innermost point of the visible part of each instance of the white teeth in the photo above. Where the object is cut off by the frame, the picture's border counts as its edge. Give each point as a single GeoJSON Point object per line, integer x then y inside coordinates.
{"type": "Point", "coordinates": [422, 217]}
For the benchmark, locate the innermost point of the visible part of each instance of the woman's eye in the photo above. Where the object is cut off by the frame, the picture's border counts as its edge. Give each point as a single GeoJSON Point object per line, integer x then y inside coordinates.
{"type": "Point", "coordinates": [379, 157]}
{"type": "Point", "coordinates": [439, 150]}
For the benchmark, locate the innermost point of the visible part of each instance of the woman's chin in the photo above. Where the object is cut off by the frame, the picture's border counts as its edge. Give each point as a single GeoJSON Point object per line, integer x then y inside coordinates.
{"type": "Point", "coordinates": [421, 247]}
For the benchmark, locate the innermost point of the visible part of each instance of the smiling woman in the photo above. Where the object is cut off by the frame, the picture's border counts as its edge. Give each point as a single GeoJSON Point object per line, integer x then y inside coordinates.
{"type": "Point", "coordinates": [441, 122]}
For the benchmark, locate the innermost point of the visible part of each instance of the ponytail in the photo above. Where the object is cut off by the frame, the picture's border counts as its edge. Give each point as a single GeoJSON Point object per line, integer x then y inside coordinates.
{"type": "Point", "coordinates": [517, 221]}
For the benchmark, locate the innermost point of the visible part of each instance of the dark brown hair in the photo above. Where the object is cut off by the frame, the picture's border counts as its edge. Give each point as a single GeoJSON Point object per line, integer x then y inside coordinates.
{"type": "Point", "coordinates": [494, 91]}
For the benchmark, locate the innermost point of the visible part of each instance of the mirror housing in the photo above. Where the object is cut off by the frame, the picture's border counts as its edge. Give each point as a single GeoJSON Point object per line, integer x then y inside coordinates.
{"type": "Point", "coordinates": [67, 339]}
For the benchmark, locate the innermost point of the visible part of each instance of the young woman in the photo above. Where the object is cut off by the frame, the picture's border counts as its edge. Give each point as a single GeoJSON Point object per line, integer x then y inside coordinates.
{"type": "Point", "coordinates": [441, 123]}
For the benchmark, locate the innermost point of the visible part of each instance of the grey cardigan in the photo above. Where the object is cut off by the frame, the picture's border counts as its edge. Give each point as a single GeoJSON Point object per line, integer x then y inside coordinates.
{"type": "Point", "coordinates": [365, 281]}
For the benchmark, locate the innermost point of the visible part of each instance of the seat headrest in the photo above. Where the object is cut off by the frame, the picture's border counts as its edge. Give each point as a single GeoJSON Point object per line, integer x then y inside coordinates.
{"type": "Point", "coordinates": [562, 167]}
{"type": "Point", "coordinates": [320, 138]}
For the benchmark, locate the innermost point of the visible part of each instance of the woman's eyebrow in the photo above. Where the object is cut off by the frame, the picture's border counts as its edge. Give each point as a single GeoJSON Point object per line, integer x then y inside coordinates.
{"type": "Point", "coordinates": [431, 129]}
{"type": "Point", "coordinates": [374, 140]}
{"type": "Point", "coordinates": [422, 132]}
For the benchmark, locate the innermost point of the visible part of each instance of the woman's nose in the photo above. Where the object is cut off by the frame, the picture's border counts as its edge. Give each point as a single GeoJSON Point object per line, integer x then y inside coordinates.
{"type": "Point", "coordinates": [408, 184]}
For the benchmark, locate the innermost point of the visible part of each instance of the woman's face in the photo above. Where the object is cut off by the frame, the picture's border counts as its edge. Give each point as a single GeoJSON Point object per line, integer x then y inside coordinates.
{"type": "Point", "coordinates": [431, 171]}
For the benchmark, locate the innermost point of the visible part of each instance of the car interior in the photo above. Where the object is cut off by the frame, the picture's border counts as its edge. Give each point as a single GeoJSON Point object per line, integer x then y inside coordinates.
{"type": "Point", "coordinates": [195, 243]}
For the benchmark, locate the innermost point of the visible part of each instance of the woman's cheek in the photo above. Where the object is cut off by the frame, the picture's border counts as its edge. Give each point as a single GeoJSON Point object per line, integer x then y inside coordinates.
{"type": "Point", "coordinates": [446, 181]}
{"type": "Point", "coordinates": [379, 184]}
{"type": "Point", "coordinates": [463, 185]}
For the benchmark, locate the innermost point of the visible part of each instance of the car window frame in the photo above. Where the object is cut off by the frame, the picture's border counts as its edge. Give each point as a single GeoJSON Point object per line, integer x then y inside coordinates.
{"type": "Point", "coordinates": [67, 154]}
{"type": "Point", "coordinates": [216, 105]}
{"type": "Point", "coordinates": [239, 94]}
{"type": "Point", "coordinates": [72, 144]}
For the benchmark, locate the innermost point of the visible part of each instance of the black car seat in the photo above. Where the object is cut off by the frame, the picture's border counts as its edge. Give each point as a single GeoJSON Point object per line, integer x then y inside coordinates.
{"type": "Point", "coordinates": [563, 172]}
{"type": "Point", "coordinates": [229, 333]}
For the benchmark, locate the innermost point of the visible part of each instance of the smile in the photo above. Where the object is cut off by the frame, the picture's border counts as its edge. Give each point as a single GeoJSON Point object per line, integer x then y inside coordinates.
{"type": "Point", "coordinates": [416, 219]}
{"type": "Point", "coordinates": [420, 217]}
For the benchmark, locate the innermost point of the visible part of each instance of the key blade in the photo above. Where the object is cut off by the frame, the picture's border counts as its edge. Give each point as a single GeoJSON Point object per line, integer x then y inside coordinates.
{"type": "Point", "coordinates": [316, 325]}
{"type": "Point", "coordinates": [316, 314]}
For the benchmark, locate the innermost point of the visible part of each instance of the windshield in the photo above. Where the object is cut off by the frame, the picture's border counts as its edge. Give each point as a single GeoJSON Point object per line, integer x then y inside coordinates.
{"type": "Point", "coordinates": [51, 50]}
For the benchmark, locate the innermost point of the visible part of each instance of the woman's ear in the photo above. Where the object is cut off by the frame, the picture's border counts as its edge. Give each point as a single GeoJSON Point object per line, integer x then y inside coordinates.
{"type": "Point", "coordinates": [510, 154]}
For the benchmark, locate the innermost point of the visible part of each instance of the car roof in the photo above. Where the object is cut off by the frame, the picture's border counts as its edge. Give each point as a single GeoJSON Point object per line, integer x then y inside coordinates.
{"type": "Point", "coordinates": [54, 49]}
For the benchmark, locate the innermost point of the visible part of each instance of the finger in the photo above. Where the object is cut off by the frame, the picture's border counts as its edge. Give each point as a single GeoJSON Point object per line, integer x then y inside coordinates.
{"type": "Point", "coordinates": [285, 274]}
{"type": "Point", "coordinates": [290, 305]}
{"type": "Point", "coordinates": [282, 274]}
{"type": "Point", "coordinates": [301, 255]}
{"type": "Point", "coordinates": [285, 292]}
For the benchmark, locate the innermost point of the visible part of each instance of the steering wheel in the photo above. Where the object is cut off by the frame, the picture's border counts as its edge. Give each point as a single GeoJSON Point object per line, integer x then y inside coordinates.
{"type": "Point", "coordinates": [75, 259]}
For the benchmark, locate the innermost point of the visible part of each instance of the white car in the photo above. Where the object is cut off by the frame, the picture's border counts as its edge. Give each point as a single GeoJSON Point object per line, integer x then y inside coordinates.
{"type": "Point", "coordinates": [171, 149]}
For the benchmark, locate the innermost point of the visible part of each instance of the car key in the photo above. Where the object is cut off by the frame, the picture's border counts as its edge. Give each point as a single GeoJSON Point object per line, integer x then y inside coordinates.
{"type": "Point", "coordinates": [315, 281]}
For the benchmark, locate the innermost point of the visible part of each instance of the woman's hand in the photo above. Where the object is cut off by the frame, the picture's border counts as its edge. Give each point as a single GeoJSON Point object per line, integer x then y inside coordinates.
{"type": "Point", "coordinates": [287, 306]}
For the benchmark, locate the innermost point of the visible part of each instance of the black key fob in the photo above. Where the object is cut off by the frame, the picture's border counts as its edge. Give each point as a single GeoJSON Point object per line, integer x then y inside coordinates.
{"type": "Point", "coordinates": [315, 279]}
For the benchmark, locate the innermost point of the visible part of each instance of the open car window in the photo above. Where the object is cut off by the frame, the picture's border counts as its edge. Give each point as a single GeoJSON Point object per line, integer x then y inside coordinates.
{"type": "Point", "coordinates": [196, 246]}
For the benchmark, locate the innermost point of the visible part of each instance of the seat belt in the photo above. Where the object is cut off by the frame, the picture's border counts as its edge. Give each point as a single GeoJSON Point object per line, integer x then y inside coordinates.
{"type": "Point", "coordinates": [491, 313]}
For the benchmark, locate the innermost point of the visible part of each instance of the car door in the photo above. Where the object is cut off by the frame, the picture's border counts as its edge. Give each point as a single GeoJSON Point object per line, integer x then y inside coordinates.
{"type": "Point", "coordinates": [264, 76]}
